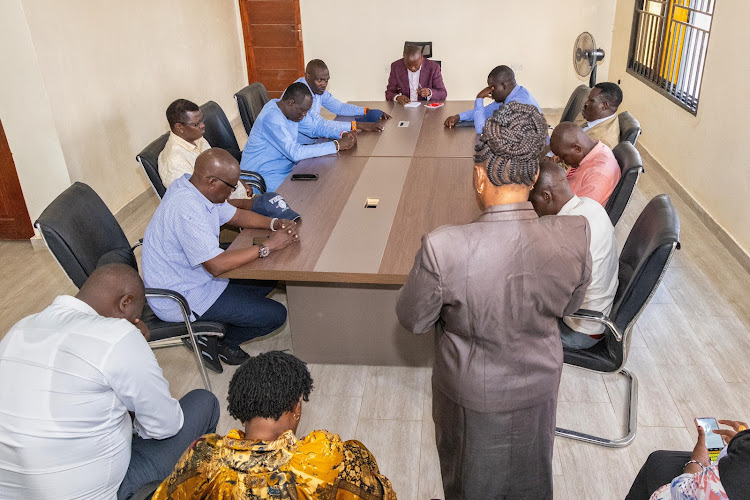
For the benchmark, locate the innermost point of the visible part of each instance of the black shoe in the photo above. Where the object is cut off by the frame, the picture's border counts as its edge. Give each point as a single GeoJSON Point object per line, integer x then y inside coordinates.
{"type": "Point", "coordinates": [232, 355]}
{"type": "Point", "coordinates": [209, 351]}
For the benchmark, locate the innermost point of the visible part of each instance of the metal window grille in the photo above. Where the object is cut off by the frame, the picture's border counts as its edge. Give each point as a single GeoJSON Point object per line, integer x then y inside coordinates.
{"type": "Point", "coordinates": [668, 47]}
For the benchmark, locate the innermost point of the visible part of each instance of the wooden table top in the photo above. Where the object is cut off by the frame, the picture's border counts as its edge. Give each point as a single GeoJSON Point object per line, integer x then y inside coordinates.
{"type": "Point", "coordinates": [341, 241]}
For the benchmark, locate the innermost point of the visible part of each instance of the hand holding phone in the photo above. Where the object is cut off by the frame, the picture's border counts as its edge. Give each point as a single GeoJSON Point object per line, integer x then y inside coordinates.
{"type": "Point", "coordinates": [713, 441]}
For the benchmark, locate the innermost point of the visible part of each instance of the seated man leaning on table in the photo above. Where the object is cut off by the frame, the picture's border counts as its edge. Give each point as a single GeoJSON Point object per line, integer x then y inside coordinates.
{"type": "Point", "coordinates": [599, 115]}
{"type": "Point", "coordinates": [273, 148]}
{"type": "Point", "coordinates": [502, 88]}
{"type": "Point", "coordinates": [364, 119]}
{"type": "Point", "coordinates": [551, 195]}
{"type": "Point", "coordinates": [185, 143]}
{"type": "Point", "coordinates": [181, 252]}
{"type": "Point", "coordinates": [415, 78]}
{"type": "Point", "coordinates": [593, 171]}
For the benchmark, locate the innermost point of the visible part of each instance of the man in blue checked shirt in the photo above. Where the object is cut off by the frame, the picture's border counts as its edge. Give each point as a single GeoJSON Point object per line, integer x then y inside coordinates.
{"type": "Point", "coordinates": [272, 149]}
{"type": "Point", "coordinates": [502, 87]}
{"type": "Point", "coordinates": [363, 119]}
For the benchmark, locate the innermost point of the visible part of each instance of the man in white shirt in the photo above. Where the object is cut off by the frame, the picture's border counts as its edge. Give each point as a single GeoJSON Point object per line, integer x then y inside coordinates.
{"type": "Point", "coordinates": [551, 195]}
{"type": "Point", "coordinates": [185, 143]}
{"type": "Point", "coordinates": [77, 381]}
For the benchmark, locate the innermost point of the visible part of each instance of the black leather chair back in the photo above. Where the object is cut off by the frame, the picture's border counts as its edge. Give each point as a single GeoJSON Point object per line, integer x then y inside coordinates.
{"type": "Point", "coordinates": [631, 167]}
{"type": "Point", "coordinates": [250, 102]}
{"type": "Point", "coordinates": [630, 128]}
{"type": "Point", "coordinates": [82, 233]}
{"type": "Point", "coordinates": [219, 133]}
{"type": "Point", "coordinates": [575, 103]}
{"type": "Point", "coordinates": [643, 261]}
{"type": "Point", "coordinates": [149, 160]}
{"type": "Point", "coordinates": [425, 46]}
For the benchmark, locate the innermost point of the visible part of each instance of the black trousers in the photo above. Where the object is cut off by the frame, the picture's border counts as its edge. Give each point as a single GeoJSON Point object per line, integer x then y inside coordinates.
{"type": "Point", "coordinates": [660, 468]}
{"type": "Point", "coordinates": [504, 455]}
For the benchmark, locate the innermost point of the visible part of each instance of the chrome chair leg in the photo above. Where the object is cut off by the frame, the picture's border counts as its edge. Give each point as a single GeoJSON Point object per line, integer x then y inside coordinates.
{"type": "Point", "coordinates": [632, 407]}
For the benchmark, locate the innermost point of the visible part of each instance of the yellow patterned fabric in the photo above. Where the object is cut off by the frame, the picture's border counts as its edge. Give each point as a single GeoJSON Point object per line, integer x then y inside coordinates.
{"type": "Point", "coordinates": [319, 466]}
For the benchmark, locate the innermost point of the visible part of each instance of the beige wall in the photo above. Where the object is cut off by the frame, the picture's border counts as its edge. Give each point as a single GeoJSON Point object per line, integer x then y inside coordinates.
{"type": "Point", "coordinates": [111, 68]}
{"type": "Point", "coordinates": [26, 114]}
{"type": "Point", "coordinates": [358, 40]}
{"type": "Point", "coordinates": [707, 153]}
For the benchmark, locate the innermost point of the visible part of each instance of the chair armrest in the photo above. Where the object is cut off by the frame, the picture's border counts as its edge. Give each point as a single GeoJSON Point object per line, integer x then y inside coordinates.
{"type": "Point", "coordinates": [140, 243]}
{"type": "Point", "coordinates": [597, 317]}
{"type": "Point", "coordinates": [171, 294]}
{"type": "Point", "coordinates": [254, 175]}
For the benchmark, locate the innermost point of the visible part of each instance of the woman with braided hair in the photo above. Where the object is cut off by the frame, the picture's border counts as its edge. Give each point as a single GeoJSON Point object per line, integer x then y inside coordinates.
{"type": "Point", "coordinates": [493, 289]}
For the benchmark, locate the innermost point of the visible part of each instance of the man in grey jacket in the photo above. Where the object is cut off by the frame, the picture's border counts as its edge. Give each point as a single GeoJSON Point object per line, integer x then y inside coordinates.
{"type": "Point", "coordinates": [494, 289]}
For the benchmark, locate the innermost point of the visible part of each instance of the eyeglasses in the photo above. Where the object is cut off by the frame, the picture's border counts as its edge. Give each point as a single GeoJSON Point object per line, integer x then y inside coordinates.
{"type": "Point", "coordinates": [225, 182]}
{"type": "Point", "coordinates": [194, 125]}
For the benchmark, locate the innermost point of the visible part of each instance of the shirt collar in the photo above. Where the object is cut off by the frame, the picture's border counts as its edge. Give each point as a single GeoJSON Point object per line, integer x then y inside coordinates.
{"type": "Point", "coordinates": [71, 302]}
{"type": "Point", "coordinates": [600, 120]}
{"type": "Point", "coordinates": [512, 94]}
{"type": "Point", "coordinates": [184, 183]}
{"type": "Point", "coordinates": [181, 142]}
{"type": "Point", "coordinates": [570, 205]}
{"type": "Point", "coordinates": [236, 439]}
{"type": "Point", "coordinates": [594, 151]}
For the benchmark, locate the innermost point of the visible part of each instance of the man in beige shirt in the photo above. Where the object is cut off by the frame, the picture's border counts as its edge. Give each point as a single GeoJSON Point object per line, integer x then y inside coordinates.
{"type": "Point", "coordinates": [185, 143]}
{"type": "Point", "coordinates": [599, 115]}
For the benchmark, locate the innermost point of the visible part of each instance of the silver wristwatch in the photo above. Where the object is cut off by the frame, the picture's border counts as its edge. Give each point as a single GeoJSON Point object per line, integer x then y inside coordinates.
{"type": "Point", "coordinates": [263, 251]}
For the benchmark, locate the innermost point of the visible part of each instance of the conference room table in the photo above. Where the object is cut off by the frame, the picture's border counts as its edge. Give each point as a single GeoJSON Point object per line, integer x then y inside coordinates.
{"type": "Point", "coordinates": [342, 278]}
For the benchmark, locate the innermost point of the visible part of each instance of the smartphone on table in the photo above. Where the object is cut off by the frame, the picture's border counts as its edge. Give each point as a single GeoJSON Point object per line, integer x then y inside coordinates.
{"type": "Point", "coordinates": [714, 442]}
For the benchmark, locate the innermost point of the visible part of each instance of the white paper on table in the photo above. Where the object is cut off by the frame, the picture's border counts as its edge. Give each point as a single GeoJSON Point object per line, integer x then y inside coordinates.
{"type": "Point", "coordinates": [415, 104]}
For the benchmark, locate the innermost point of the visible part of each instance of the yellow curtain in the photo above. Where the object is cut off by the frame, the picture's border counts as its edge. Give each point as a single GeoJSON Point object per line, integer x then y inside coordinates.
{"type": "Point", "coordinates": [672, 49]}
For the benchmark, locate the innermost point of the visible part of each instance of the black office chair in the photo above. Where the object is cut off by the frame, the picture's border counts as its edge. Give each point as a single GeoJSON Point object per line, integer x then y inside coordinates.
{"type": "Point", "coordinates": [630, 128]}
{"type": "Point", "coordinates": [81, 233]}
{"type": "Point", "coordinates": [250, 101]}
{"type": "Point", "coordinates": [575, 103]}
{"type": "Point", "coordinates": [631, 168]}
{"type": "Point", "coordinates": [219, 133]}
{"type": "Point", "coordinates": [149, 160]}
{"type": "Point", "coordinates": [644, 260]}
{"type": "Point", "coordinates": [426, 50]}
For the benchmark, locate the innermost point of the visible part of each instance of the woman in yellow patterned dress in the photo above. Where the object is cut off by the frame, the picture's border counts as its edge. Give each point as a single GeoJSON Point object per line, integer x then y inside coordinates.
{"type": "Point", "coordinates": [267, 461]}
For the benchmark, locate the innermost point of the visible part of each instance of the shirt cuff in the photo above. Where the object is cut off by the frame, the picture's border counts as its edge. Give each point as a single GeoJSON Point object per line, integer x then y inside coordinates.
{"type": "Point", "coordinates": [394, 97]}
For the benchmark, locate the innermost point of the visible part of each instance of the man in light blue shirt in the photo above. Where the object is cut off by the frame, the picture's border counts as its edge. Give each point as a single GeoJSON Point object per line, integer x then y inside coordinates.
{"type": "Point", "coordinates": [502, 87]}
{"type": "Point", "coordinates": [363, 119]}
{"type": "Point", "coordinates": [181, 252]}
{"type": "Point", "coordinates": [272, 149]}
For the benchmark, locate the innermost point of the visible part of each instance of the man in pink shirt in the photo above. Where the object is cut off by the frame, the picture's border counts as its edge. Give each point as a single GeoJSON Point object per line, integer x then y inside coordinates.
{"type": "Point", "coordinates": [595, 171]}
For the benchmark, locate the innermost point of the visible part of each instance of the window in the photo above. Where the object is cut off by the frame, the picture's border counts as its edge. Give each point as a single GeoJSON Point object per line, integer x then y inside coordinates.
{"type": "Point", "coordinates": [668, 47]}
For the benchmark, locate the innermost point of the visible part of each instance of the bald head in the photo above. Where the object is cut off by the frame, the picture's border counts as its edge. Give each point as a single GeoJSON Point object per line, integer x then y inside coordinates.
{"type": "Point", "coordinates": [551, 191]}
{"type": "Point", "coordinates": [570, 143]}
{"type": "Point", "coordinates": [114, 291]}
{"type": "Point", "coordinates": [215, 175]}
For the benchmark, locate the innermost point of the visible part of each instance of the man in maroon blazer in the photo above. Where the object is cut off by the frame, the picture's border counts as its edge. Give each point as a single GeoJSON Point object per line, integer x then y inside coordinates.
{"type": "Point", "coordinates": [414, 78]}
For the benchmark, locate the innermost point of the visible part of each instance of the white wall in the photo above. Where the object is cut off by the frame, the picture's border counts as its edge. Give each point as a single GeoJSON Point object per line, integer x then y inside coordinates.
{"type": "Point", "coordinates": [107, 71]}
{"type": "Point", "coordinates": [707, 153]}
{"type": "Point", "coordinates": [359, 39]}
{"type": "Point", "coordinates": [26, 114]}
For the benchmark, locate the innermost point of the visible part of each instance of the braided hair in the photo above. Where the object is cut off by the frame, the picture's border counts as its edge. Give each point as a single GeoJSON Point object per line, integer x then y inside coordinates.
{"type": "Point", "coordinates": [510, 144]}
{"type": "Point", "coordinates": [268, 385]}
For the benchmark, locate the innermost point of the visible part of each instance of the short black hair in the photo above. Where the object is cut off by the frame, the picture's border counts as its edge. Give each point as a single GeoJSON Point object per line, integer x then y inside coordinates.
{"type": "Point", "coordinates": [412, 50]}
{"type": "Point", "coordinates": [177, 111]}
{"type": "Point", "coordinates": [502, 73]}
{"type": "Point", "coordinates": [268, 385]}
{"type": "Point", "coordinates": [315, 64]}
{"type": "Point", "coordinates": [296, 92]}
{"type": "Point", "coordinates": [610, 92]}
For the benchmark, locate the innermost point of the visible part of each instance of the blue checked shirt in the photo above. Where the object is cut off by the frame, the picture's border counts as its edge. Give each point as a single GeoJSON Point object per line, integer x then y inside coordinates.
{"type": "Point", "coordinates": [313, 123]}
{"type": "Point", "coordinates": [272, 149]}
{"type": "Point", "coordinates": [182, 235]}
{"type": "Point", "coordinates": [480, 113]}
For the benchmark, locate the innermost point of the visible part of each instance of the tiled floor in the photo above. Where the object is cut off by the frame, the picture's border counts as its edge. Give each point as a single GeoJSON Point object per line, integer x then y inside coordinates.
{"type": "Point", "coordinates": [689, 351]}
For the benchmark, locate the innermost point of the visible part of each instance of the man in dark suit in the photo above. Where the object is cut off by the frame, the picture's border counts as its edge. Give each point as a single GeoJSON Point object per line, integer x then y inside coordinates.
{"type": "Point", "coordinates": [415, 78]}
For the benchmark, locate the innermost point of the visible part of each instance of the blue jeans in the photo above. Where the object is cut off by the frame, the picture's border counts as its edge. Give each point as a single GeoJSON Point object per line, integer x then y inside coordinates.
{"type": "Point", "coordinates": [154, 459]}
{"type": "Point", "coordinates": [246, 310]}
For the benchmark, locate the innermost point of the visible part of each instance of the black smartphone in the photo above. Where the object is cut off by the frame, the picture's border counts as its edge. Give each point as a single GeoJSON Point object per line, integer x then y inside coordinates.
{"type": "Point", "coordinates": [304, 177]}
